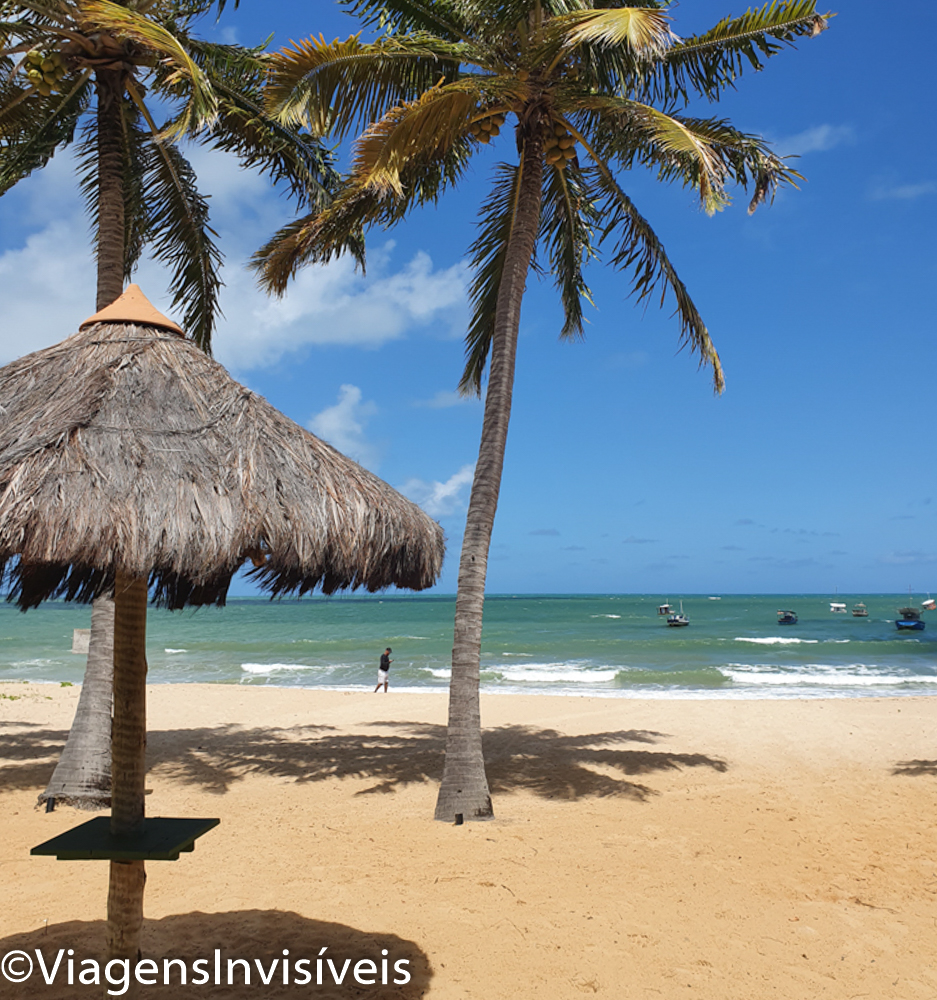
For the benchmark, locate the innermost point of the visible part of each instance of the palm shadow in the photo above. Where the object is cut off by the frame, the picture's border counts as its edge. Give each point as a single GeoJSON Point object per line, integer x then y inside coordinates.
{"type": "Point", "coordinates": [915, 768]}
{"type": "Point", "coordinates": [260, 935]}
{"type": "Point", "coordinates": [34, 752]}
{"type": "Point", "coordinates": [390, 756]}
{"type": "Point", "coordinates": [396, 754]}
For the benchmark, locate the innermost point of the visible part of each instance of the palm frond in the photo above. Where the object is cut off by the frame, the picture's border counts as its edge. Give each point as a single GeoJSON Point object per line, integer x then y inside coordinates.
{"type": "Point", "coordinates": [706, 64]}
{"type": "Point", "coordinates": [201, 107]}
{"type": "Point", "coordinates": [137, 157]}
{"type": "Point", "coordinates": [423, 130]}
{"type": "Point", "coordinates": [643, 33]}
{"type": "Point", "coordinates": [245, 129]}
{"type": "Point", "coordinates": [636, 248]}
{"type": "Point", "coordinates": [35, 128]}
{"type": "Point", "coordinates": [704, 153]}
{"type": "Point", "coordinates": [317, 238]}
{"type": "Point", "coordinates": [320, 237]}
{"type": "Point", "coordinates": [181, 238]}
{"type": "Point", "coordinates": [487, 254]}
{"type": "Point", "coordinates": [439, 17]}
{"type": "Point", "coordinates": [569, 223]}
{"type": "Point", "coordinates": [338, 86]}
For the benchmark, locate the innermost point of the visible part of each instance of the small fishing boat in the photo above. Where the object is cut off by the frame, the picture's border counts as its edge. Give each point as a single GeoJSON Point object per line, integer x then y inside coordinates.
{"type": "Point", "coordinates": [837, 608]}
{"type": "Point", "coordinates": [665, 609]}
{"type": "Point", "coordinates": [676, 620]}
{"type": "Point", "coordinates": [910, 620]}
{"type": "Point", "coordinates": [787, 618]}
{"type": "Point", "coordinates": [930, 604]}
{"type": "Point", "coordinates": [860, 611]}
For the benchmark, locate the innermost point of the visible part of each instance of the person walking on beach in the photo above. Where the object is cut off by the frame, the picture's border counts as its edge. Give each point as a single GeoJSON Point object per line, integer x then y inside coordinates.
{"type": "Point", "coordinates": [383, 670]}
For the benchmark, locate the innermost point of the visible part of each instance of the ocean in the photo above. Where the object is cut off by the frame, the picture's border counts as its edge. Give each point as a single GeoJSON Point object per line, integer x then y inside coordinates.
{"type": "Point", "coordinates": [605, 645]}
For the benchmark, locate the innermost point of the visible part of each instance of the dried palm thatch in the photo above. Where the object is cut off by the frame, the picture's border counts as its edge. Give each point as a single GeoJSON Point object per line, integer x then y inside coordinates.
{"type": "Point", "coordinates": [126, 448]}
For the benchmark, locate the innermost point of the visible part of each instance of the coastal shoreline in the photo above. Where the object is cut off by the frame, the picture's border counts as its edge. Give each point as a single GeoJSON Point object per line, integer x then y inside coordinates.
{"type": "Point", "coordinates": [732, 848]}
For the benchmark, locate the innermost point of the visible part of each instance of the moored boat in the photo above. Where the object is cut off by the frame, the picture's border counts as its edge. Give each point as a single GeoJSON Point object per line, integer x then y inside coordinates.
{"type": "Point", "coordinates": [787, 618]}
{"type": "Point", "coordinates": [860, 611]}
{"type": "Point", "coordinates": [665, 609]}
{"type": "Point", "coordinates": [678, 619]}
{"type": "Point", "coordinates": [910, 620]}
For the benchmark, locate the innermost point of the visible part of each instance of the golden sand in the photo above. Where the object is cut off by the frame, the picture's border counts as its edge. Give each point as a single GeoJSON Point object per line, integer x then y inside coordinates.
{"type": "Point", "coordinates": [727, 850]}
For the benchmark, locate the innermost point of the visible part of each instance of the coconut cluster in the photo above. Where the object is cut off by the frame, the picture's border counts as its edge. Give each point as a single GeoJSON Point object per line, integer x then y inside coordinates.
{"type": "Point", "coordinates": [485, 128]}
{"type": "Point", "coordinates": [559, 147]}
{"type": "Point", "coordinates": [45, 70]}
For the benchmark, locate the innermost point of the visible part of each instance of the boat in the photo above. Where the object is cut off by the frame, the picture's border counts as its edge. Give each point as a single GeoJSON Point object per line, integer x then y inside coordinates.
{"type": "Point", "coordinates": [665, 609]}
{"type": "Point", "coordinates": [930, 604]}
{"type": "Point", "coordinates": [676, 620]}
{"type": "Point", "coordinates": [837, 608]}
{"type": "Point", "coordinates": [787, 618]}
{"type": "Point", "coordinates": [910, 620]}
{"type": "Point", "coordinates": [860, 611]}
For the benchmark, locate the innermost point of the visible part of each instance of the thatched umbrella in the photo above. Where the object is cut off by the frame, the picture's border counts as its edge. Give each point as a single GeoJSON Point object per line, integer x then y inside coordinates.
{"type": "Point", "coordinates": [130, 462]}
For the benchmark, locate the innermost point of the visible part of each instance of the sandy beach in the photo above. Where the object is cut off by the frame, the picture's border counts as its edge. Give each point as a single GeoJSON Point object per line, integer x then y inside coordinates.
{"type": "Point", "coordinates": [674, 848]}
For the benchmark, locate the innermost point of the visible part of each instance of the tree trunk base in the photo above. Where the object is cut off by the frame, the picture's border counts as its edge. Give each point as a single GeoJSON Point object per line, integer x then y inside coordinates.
{"type": "Point", "coordinates": [462, 794]}
{"type": "Point", "coordinates": [125, 909]}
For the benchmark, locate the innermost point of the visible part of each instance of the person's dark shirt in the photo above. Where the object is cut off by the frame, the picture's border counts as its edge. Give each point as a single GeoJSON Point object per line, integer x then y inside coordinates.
{"type": "Point", "coordinates": [385, 661]}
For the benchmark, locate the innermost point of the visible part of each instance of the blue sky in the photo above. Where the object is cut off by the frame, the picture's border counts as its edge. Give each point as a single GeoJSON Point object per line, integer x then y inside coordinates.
{"type": "Point", "coordinates": [624, 473]}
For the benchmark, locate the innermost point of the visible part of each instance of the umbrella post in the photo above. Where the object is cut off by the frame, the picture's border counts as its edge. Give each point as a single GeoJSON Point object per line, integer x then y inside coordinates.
{"type": "Point", "coordinates": [128, 764]}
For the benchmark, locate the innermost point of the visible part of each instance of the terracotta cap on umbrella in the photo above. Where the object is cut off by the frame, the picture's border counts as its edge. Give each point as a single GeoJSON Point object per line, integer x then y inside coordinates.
{"type": "Point", "coordinates": [133, 307]}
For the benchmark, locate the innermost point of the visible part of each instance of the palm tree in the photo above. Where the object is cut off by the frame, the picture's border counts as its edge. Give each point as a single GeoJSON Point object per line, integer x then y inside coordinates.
{"type": "Point", "coordinates": [593, 89]}
{"type": "Point", "coordinates": [84, 74]}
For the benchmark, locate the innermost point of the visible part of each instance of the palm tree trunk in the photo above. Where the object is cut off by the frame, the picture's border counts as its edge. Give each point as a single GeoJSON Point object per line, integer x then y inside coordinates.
{"type": "Point", "coordinates": [82, 777]}
{"type": "Point", "coordinates": [125, 896]}
{"type": "Point", "coordinates": [464, 789]}
{"type": "Point", "coordinates": [109, 85]}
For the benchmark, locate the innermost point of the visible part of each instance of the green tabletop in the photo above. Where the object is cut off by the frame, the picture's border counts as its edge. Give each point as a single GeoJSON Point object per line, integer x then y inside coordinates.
{"type": "Point", "coordinates": [162, 840]}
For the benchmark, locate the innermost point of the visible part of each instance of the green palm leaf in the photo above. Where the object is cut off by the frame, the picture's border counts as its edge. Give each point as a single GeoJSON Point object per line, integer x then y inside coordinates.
{"type": "Point", "coordinates": [636, 248]}
{"type": "Point", "coordinates": [202, 105]}
{"type": "Point", "coordinates": [180, 237]}
{"type": "Point", "coordinates": [570, 223]}
{"type": "Point", "coordinates": [487, 254]}
{"type": "Point", "coordinates": [707, 63]}
{"type": "Point", "coordinates": [306, 78]}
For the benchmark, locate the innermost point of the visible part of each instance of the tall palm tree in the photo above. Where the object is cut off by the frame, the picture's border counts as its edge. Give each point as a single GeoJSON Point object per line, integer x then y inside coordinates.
{"type": "Point", "coordinates": [593, 89]}
{"type": "Point", "coordinates": [91, 74]}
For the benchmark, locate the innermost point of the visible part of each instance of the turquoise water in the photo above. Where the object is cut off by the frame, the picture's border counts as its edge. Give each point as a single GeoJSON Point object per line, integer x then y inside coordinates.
{"type": "Point", "coordinates": [614, 645]}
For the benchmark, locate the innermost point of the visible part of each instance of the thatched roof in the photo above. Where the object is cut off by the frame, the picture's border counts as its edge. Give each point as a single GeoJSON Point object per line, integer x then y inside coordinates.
{"type": "Point", "coordinates": [126, 447]}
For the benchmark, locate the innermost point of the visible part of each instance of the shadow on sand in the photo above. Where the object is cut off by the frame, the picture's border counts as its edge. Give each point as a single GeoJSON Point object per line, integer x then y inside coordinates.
{"type": "Point", "coordinates": [394, 754]}
{"type": "Point", "coordinates": [915, 768]}
{"type": "Point", "coordinates": [259, 935]}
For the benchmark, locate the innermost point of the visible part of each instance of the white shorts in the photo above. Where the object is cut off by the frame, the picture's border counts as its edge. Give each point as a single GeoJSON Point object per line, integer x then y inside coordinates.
{"type": "Point", "coordinates": [382, 676]}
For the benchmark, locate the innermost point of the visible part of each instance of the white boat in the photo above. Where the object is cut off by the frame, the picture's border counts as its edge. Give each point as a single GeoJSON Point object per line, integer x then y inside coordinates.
{"type": "Point", "coordinates": [665, 609]}
{"type": "Point", "coordinates": [677, 620]}
{"type": "Point", "coordinates": [837, 608]}
{"type": "Point", "coordinates": [930, 604]}
{"type": "Point", "coordinates": [860, 611]}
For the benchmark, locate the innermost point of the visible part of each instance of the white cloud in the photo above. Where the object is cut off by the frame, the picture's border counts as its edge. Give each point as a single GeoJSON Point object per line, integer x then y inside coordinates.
{"type": "Point", "coordinates": [47, 288]}
{"type": "Point", "coordinates": [440, 499]}
{"type": "Point", "coordinates": [908, 557]}
{"type": "Point", "coordinates": [818, 139]}
{"type": "Point", "coordinates": [443, 400]}
{"type": "Point", "coordinates": [903, 192]}
{"type": "Point", "coordinates": [334, 305]}
{"type": "Point", "coordinates": [47, 282]}
{"type": "Point", "coordinates": [342, 425]}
